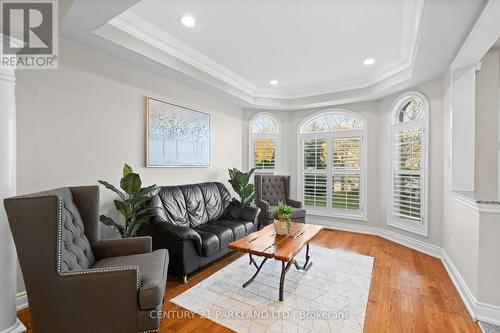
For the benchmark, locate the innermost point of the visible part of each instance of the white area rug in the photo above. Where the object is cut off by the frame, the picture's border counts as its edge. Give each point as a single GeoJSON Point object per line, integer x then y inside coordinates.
{"type": "Point", "coordinates": [330, 297]}
{"type": "Point", "coordinates": [488, 328]}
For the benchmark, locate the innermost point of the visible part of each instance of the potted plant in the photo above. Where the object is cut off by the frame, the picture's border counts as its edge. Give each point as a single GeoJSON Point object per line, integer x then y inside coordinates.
{"type": "Point", "coordinates": [240, 181]}
{"type": "Point", "coordinates": [282, 214]}
{"type": "Point", "coordinates": [131, 206]}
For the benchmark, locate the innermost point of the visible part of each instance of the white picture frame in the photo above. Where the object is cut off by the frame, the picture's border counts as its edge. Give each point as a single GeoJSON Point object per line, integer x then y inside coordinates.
{"type": "Point", "coordinates": [176, 136]}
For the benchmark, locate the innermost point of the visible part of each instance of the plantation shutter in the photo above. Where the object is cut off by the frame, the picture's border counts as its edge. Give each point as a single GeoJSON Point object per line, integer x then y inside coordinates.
{"type": "Point", "coordinates": [315, 176]}
{"type": "Point", "coordinates": [333, 165]}
{"type": "Point", "coordinates": [407, 173]}
{"type": "Point", "coordinates": [346, 173]}
{"type": "Point", "coordinates": [264, 154]}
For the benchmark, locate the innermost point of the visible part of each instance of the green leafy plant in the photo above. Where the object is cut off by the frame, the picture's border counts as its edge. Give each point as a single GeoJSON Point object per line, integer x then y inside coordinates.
{"type": "Point", "coordinates": [240, 181]}
{"type": "Point", "coordinates": [282, 212]}
{"type": "Point", "coordinates": [131, 203]}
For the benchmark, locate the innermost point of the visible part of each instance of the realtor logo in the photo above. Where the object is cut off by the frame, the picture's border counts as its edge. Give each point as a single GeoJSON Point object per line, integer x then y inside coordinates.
{"type": "Point", "coordinates": [29, 35]}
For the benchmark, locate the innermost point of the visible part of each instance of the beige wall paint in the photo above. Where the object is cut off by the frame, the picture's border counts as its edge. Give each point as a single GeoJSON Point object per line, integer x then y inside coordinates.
{"type": "Point", "coordinates": [470, 237]}
{"type": "Point", "coordinates": [377, 115]}
{"type": "Point", "coordinates": [81, 122]}
{"type": "Point", "coordinates": [489, 257]}
{"type": "Point", "coordinates": [487, 109]}
{"type": "Point", "coordinates": [461, 240]}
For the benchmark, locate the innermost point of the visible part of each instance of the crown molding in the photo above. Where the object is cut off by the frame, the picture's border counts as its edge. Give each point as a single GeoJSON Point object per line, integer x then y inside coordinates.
{"type": "Point", "coordinates": [480, 39]}
{"type": "Point", "coordinates": [139, 28]}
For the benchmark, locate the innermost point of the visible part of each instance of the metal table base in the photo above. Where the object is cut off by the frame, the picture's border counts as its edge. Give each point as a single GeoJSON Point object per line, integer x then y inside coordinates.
{"type": "Point", "coordinates": [285, 266]}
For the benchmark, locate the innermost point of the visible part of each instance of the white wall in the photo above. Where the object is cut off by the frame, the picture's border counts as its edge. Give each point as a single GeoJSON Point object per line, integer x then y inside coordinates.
{"type": "Point", "coordinates": [461, 240]}
{"type": "Point", "coordinates": [489, 255]}
{"type": "Point", "coordinates": [470, 237]}
{"type": "Point", "coordinates": [81, 122]}
{"type": "Point", "coordinates": [463, 136]}
{"type": "Point", "coordinates": [377, 115]}
{"type": "Point", "coordinates": [487, 108]}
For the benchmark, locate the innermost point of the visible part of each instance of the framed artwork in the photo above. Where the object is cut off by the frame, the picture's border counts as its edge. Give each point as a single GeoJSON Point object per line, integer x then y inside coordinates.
{"type": "Point", "coordinates": [176, 136]}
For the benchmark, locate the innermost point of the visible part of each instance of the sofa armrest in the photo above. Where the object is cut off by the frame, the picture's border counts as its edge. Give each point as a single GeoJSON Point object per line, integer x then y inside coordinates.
{"type": "Point", "coordinates": [108, 295]}
{"type": "Point", "coordinates": [263, 205]}
{"type": "Point", "coordinates": [294, 203]}
{"type": "Point", "coordinates": [179, 232]}
{"type": "Point", "coordinates": [121, 247]}
{"type": "Point", "coordinates": [250, 214]}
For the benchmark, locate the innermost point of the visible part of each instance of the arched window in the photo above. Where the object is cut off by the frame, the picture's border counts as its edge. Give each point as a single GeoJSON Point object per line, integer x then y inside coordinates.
{"type": "Point", "coordinates": [409, 139]}
{"type": "Point", "coordinates": [264, 142]}
{"type": "Point", "coordinates": [332, 164]}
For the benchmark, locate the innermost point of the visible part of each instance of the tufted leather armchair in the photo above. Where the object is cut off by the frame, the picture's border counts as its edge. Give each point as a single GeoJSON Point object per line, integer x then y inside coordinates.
{"type": "Point", "coordinates": [76, 282]}
{"type": "Point", "coordinates": [271, 189]}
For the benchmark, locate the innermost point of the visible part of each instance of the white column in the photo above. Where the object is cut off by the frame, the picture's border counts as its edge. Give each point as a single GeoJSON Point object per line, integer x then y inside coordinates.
{"type": "Point", "coordinates": [8, 258]}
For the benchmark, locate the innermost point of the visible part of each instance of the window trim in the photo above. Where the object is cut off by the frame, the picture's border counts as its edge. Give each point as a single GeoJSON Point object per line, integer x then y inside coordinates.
{"type": "Point", "coordinates": [252, 137]}
{"type": "Point", "coordinates": [421, 229]}
{"type": "Point", "coordinates": [363, 133]}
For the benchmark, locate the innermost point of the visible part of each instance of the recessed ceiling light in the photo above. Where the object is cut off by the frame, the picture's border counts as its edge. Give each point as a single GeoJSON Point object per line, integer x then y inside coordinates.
{"type": "Point", "coordinates": [187, 21]}
{"type": "Point", "coordinates": [273, 82]}
{"type": "Point", "coordinates": [369, 61]}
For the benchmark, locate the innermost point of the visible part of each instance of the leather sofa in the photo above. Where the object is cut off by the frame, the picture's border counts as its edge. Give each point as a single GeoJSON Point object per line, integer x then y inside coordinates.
{"type": "Point", "coordinates": [271, 189]}
{"type": "Point", "coordinates": [76, 282]}
{"type": "Point", "coordinates": [196, 223]}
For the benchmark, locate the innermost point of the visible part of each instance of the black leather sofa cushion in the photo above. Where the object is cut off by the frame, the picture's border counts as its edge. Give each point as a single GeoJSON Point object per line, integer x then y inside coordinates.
{"type": "Point", "coordinates": [190, 205]}
{"type": "Point", "coordinates": [179, 233]}
{"type": "Point", "coordinates": [170, 206]}
{"type": "Point", "coordinates": [209, 243]}
{"type": "Point", "coordinates": [224, 235]}
{"type": "Point", "coordinates": [250, 227]}
{"type": "Point", "coordinates": [237, 227]}
{"type": "Point", "coordinates": [195, 204]}
{"type": "Point", "coordinates": [213, 200]}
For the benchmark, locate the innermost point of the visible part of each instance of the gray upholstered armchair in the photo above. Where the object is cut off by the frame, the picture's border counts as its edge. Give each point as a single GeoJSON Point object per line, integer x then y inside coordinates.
{"type": "Point", "coordinates": [271, 189]}
{"type": "Point", "coordinates": [76, 282]}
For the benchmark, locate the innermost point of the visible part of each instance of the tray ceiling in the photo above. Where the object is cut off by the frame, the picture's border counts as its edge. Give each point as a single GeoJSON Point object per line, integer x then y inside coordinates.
{"type": "Point", "coordinates": [315, 49]}
{"type": "Point", "coordinates": [310, 47]}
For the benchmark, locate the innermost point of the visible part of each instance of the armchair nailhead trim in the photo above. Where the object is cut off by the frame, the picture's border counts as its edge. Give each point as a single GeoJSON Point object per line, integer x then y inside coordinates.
{"type": "Point", "coordinates": [102, 270]}
{"type": "Point", "coordinates": [86, 271]}
{"type": "Point", "coordinates": [149, 331]}
{"type": "Point", "coordinates": [59, 247]}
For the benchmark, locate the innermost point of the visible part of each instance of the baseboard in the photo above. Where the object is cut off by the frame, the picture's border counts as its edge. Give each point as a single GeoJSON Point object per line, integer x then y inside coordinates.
{"type": "Point", "coordinates": [432, 250]}
{"type": "Point", "coordinates": [21, 301]}
{"type": "Point", "coordinates": [417, 245]}
{"type": "Point", "coordinates": [488, 313]}
{"type": "Point", "coordinates": [17, 327]}
{"type": "Point", "coordinates": [478, 310]}
{"type": "Point", "coordinates": [361, 228]}
{"type": "Point", "coordinates": [463, 290]}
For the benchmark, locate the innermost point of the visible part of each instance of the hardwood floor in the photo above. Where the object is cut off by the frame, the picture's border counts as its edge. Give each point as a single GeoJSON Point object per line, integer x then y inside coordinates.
{"type": "Point", "coordinates": [410, 291]}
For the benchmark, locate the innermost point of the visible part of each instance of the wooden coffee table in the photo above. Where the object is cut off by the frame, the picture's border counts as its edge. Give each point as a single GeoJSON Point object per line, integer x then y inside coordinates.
{"type": "Point", "coordinates": [265, 243]}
